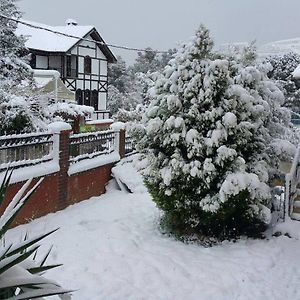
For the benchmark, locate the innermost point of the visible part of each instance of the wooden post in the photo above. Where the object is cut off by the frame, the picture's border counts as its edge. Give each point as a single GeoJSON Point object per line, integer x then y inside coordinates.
{"type": "Point", "coordinates": [122, 143]}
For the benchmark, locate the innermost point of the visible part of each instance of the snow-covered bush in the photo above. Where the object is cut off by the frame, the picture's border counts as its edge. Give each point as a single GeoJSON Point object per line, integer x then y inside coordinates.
{"type": "Point", "coordinates": [209, 141]}
{"type": "Point", "coordinates": [20, 276]}
{"type": "Point", "coordinates": [282, 68]}
{"type": "Point", "coordinates": [15, 74]}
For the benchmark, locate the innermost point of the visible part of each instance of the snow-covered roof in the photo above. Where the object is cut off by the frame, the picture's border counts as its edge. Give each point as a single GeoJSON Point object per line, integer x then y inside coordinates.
{"type": "Point", "coordinates": [39, 39]}
{"type": "Point", "coordinates": [280, 47]}
{"type": "Point", "coordinates": [47, 41]}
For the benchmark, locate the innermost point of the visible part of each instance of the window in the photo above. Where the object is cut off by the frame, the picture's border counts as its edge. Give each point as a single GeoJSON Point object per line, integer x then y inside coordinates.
{"type": "Point", "coordinates": [87, 97]}
{"type": "Point", "coordinates": [95, 96]}
{"type": "Point", "coordinates": [72, 66]}
{"type": "Point", "coordinates": [55, 63]}
{"type": "Point", "coordinates": [41, 62]}
{"type": "Point", "coordinates": [33, 61]}
{"type": "Point", "coordinates": [79, 97]}
{"type": "Point", "coordinates": [87, 65]}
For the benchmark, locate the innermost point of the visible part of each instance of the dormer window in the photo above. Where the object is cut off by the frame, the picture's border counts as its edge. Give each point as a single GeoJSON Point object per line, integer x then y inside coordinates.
{"type": "Point", "coordinates": [87, 65]}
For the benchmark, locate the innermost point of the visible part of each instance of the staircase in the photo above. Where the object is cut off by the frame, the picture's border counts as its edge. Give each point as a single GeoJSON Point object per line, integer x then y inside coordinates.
{"type": "Point", "coordinates": [292, 189]}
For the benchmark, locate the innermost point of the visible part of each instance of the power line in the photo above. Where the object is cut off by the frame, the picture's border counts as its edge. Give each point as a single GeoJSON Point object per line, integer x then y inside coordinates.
{"type": "Point", "coordinates": [80, 38]}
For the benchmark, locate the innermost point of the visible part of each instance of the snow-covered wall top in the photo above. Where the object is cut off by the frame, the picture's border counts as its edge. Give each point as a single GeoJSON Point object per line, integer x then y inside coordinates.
{"type": "Point", "coordinates": [47, 41]}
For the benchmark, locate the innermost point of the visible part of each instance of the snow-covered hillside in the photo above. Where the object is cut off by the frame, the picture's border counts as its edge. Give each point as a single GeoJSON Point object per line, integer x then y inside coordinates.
{"type": "Point", "coordinates": [280, 47]}
{"type": "Point", "coordinates": [112, 249]}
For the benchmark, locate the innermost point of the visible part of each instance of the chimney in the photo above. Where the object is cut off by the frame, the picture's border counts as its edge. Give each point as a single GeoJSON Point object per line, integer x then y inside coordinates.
{"type": "Point", "coordinates": [71, 22]}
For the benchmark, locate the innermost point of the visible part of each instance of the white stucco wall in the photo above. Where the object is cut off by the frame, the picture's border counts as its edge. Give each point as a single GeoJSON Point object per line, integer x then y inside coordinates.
{"type": "Point", "coordinates": [99, 67]}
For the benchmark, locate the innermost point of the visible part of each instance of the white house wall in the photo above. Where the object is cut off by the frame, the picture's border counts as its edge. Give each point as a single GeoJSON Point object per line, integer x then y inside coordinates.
{"type": "Point", "coordinates": [98, 77]}
{"type": "Point", "coordinates": [103, 67]}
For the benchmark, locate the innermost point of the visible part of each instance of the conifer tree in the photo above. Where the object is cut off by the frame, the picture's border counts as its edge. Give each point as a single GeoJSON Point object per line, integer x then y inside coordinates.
{"type": "Point", "coordinates": [15, 73]}
{"type": "Point", "coordinates": [208, 141]}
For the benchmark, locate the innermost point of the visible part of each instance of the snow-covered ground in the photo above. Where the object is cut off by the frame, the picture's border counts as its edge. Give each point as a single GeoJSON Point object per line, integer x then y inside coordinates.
{"type": "Point", "coordinates": [112, 248]}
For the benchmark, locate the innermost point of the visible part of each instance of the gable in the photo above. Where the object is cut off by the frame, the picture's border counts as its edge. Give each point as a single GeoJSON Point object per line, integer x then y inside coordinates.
{"type": "Point", "coordinates": [49, 41]}
{"type": "Point", "coordinates": [95, 36]}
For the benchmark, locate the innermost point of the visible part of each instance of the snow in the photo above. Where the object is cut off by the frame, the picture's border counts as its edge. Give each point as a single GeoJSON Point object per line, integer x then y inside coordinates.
{"type": "Point", "coordinates": [42, 81]}
{"type": "Point", "coordinates": [296, 73]}
{"type": "Point", "coordinates": [92, 163]}
{"type": "Point", "coordinates": [46, 73]}
{"type": "Point", "coordinates": [230, 119]}
{"type": "Point", "coordinates": [239, 181]}
{"type": "Point", "coordinates": [57, 127]}
{"type": "Point", "coordinates": [48, 41]}
{"type": "Point", "coordinates": [117, 126]}
{"type": "Point", "coordinates": [129, 175]}
{"type": "Point", "coordinates": [103, 121]}
{"type": "Point", "coordinates": [112, 249]}
{"type": "Point", "coordinates": [38, 170]}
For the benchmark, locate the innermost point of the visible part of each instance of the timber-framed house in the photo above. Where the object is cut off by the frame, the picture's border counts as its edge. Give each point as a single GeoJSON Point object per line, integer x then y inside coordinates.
{"type": "Point", "coordinates": [82, 62]}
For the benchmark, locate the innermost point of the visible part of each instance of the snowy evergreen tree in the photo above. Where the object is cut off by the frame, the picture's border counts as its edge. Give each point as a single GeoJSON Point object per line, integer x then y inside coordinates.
{"type": "Point", "coordinates": [117, 100]}
{"type": "Point", "coordinates": [124, 90]}
{"type": "Point", "coordinates": [283, 67]}
{"type": "Point", "coordinates": [209, 140]}
{"type": "Point", "coordinates": [145, 62]}
{"type": "Point", "coordinates": [165, 57]}
{"type": "Point", "coordinates": [128, 86]}
{"type": "Point", "coordinates": [118, 76]}
{"type": "Point", "coordinates": [244, 53]}
{"type": "Point", "coordinates": [15, 74]}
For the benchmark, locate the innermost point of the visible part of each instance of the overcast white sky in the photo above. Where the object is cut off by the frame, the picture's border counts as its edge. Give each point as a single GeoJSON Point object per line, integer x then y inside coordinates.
{"type": "Point", "coordinates": [161, 24]}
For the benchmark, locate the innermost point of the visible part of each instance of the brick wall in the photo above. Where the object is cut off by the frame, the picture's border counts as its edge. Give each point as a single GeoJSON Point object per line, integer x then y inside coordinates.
{"type": "Point", "coordinates": [87, 184]}
{"type": "Point", "coordinates": [59, 190]}
{"type": "Point", "coordinates": [42, 202]}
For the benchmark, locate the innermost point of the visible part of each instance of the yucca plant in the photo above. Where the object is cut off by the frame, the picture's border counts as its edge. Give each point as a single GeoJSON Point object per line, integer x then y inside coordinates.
{"type": "Point", "coordinates": [20, 272]}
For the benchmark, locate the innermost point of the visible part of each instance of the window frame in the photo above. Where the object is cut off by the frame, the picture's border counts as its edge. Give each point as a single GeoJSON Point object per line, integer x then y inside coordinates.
{"type": "Point", "coordinates": [87, 64]}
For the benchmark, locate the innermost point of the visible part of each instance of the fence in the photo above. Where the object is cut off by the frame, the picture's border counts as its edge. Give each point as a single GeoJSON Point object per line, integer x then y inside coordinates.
{"type": "Point", "coordinates": [129, 145]}
{"type": "Point", "coordinates": [26, 149]}
{"type": "Point", "coordinates": [75, 167]}
{"type": "Point", "coordinates": [291, 184]}
{"type": "Point", "coordinates": [89, 145]}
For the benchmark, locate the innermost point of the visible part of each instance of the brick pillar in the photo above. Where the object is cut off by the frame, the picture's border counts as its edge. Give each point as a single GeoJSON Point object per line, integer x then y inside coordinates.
{"type": "Point", "coordinates": [76, 125]}
{"type": "Point", "coordinates": [64, 139]}
{"type": "Point", "coordinates": [122, 143]}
